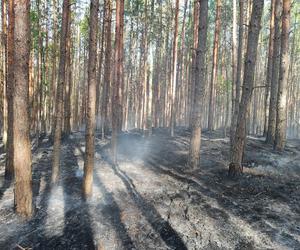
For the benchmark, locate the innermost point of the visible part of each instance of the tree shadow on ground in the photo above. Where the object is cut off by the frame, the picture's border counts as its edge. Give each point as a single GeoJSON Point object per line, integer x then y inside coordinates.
{"type": "Point", "coordinates": [161, 226]}
{"type": "Point", "coordinates": [77, 232]}
{"type": "Point", "coordinates": [111, 211]}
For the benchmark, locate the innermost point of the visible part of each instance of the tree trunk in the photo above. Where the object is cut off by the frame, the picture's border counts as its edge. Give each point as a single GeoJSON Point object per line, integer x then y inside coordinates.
{"type": "Point", "coordinates": [4, 70]}
{"type": "Point", "coordinates": [60, 89]}
{"type": "Point", "coordinates": [239, 69]}
{"type": "Point", "coordinates": [116, 106]}
{"type": "Point", "coordinates": [174, 64]}
{"type": "Point", "coordinates": [107, 68]}
{"type": "Point", "coordinates": [281, 121]}
{"type": "Point", "coordinates": [22, 159]}
{"type": "Point", "coordinates": [234, 70]}
{"type": "Point", "coordinates": [195, 143]}
{"type": "Point", "coordinates": [68, 87]}
{"type": "Point", "coordinates": [99, 71]}
{"type": "Point", "coordinates": [235, 166]}
{"type": "Point", "coordinates": [91, 107]}
{"type": "Point", "coordinates": [9, 167]}
{"type": "Point", "coordinates": [194, 55]}
{"type": "Point", "coordinates": [270, 65]}
{"type": "Point", "coordinates": [214, 73]}
{"type": "Point", "coordinates": [275, 73]}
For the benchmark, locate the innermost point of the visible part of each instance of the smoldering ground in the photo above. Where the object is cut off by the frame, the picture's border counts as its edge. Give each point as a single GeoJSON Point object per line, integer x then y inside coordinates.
{"type": "Point", "coordinates": [152, 201]}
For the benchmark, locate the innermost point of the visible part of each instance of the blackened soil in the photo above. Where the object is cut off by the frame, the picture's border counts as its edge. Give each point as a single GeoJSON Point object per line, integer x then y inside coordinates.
{"type": "Point", "coordinates": [152, 200]}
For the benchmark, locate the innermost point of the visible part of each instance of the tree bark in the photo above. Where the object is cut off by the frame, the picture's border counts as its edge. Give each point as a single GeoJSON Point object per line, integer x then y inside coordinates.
{"type": "Point", "coordinates": [174, 75]}
{"type": "Point", "coordinates": [107, 68]}
{"type": "Point", "coordinates": [22, 146]}
{"type": "Point", "coordinates": [9, 167]}
{"type": "Point", "coordinates": [234, 70]}
{"type": "Point", "coordinates": [195, 142]}
{"type": "Point", "coordinates": [4, 70]}
{"type": "Point", "coordinates": [116, 106]}
{"type": "Point", "coordinates": [238, 77]}
{"type": "Point", "coordinates": [60, 89]}
{"type": "Point", "coordinates": [281, 121]}
{"type": "Point", "coordinates": [275, 75]}
{"type": "Point", "coordinates": [269, 65]}
{"type": "Point", "coordinates": [235, 166]}
{"type": "Point", "coordinates": [91, 107]}
{"type": "Point", "coordinates": [194, 55]}
{"type": "Point", "coordinates": [214, 73]}
{"type": "Point", "coordinates": [68, 84]}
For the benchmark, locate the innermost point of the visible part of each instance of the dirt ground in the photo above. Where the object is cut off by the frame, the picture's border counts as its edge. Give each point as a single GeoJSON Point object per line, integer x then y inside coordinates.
{"type": "Point", "coordinates": [152, 201]}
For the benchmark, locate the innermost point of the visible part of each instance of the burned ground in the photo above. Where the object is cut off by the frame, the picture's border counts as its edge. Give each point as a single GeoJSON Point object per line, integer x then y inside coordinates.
{"type": "Point", "coordinates": [151, 200]}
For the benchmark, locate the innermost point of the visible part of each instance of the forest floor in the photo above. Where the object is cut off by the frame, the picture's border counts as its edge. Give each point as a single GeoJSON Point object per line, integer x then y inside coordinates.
{"type": "Point", "coordinates": [152, 201]}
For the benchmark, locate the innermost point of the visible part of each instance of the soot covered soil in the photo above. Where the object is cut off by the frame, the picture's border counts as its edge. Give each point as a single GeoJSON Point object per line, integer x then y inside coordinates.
{"type": "Point", "coordinates": [152, 201]}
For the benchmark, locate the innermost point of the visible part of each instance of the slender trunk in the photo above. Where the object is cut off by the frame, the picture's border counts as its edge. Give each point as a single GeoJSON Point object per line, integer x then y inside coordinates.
{"type": "Point", "coordinates": [107, 68]}
{"type": "Point", "coordinates": [194, 54]}
{"type": "Point", "coordinates": [100, 62]}
{"type": "Point", "coordinates": [235, 166]}
{"type": "Point", "coordinates": [91, 107]}
{"type": "Point", "coordinates": [54, 66]}
{"type": "Point", "coordinates": [60, 88]}
{"type": "Point", "coordinates": [281, 121]}
{"type": "Point", "coordinates": [116, 106]}
{"type": "Point", "coordinates": [269, 67]}
{"type": "Point", "coordinates": [275, 74]}
{"type": "Point", "coordinates": [234, 70]}
{"type": "Point", "coordinates": [212, 94]}
{"type": "Point", "coordinates": [4, 70]}
{"type": "Point", "coordinates": [173, 72]}
{"type": "Point", "coordinates": [9, 168]}
{"type": "Point", "coordinates": [195, 143]}
{"type": "Point", "coordinates": [238, 78]}
{"type": "Point", "coordinates": [68, 88]}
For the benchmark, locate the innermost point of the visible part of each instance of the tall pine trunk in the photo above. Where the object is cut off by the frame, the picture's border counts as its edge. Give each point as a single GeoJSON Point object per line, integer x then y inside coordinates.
{"type": "Point", "coordinates": [214, 73]}
{"type": "Point", "coordinates": [248, 84]}
{"type": "Point", "coordinates": [22, 145]}
{"type": "Point", "coordinates": [107, 68]}
{"type": "Point", "coordinates": [281, 109]}
{"type": "Point", "coordinates": [9, 168]}
{"type": "Point", "coordinates": [91, 105]}
{"type": "Point", "coordinates": [116, 106]}
{"type": "Point", "coordinates": [195, 143]}
{"type": "Point", "coordinates": [60, 89]}
{"type": "Point", "coordinates": [275, 75]}
{"type": "Point", "coordinates": [173, 72]}
{"type": "Point", "coordinates": [238, 76]}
